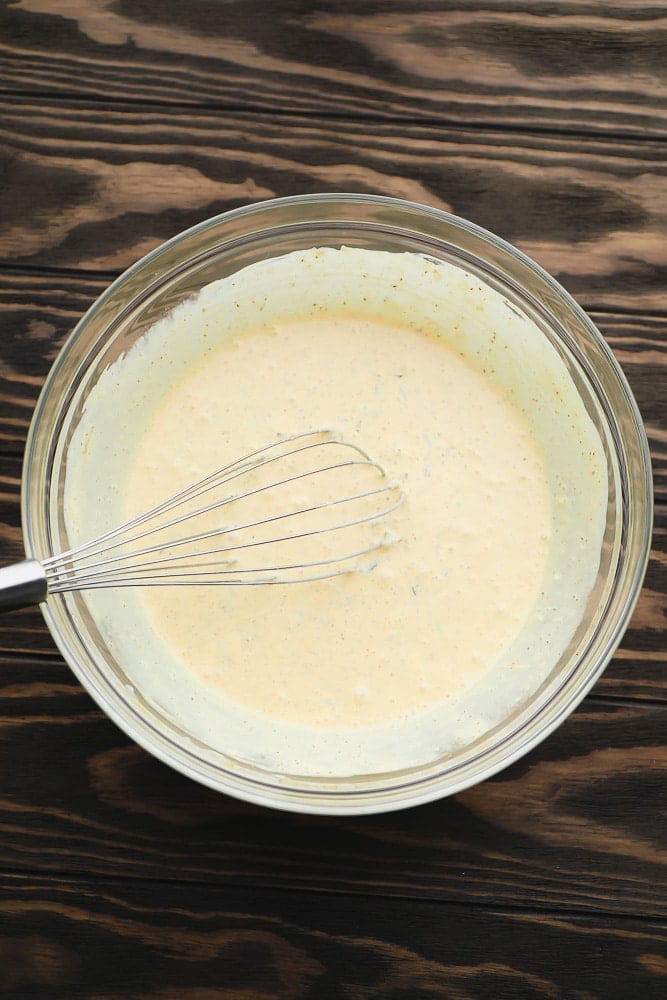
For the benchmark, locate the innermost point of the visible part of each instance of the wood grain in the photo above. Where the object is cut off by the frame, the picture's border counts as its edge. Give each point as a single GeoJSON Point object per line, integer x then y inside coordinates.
{"type": "Point", "coordinates": [112, 183]}
{"type": "Point", "coordinates": [136, 942]}
{"type": "Point", "coordinates": [579, 66]}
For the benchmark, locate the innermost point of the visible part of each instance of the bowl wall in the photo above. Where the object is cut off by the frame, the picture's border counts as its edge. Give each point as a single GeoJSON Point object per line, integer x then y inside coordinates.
{"type": "Point", "coordinates": [223, 245]}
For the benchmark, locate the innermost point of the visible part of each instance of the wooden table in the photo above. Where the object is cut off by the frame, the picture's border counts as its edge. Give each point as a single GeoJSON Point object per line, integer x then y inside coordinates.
{"type": "Point", "coordinates": [125, 122]}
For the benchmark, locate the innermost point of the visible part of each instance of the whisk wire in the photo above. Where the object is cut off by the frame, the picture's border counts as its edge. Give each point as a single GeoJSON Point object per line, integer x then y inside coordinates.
{"type": "Point", "coordinates": [97, 563]}
{"type": "Point", "coordinates": [113, 565]}
{"type": "Point", "coordinates": [247, 463]}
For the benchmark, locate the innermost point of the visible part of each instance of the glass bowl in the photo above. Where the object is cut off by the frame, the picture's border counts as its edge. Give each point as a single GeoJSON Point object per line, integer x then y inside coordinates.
{"type": "Point", "coordinates": [221, 246]}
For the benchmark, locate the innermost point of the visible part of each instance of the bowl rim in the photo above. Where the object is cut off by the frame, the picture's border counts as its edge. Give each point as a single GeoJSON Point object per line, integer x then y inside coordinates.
{"type": "Point", "coordinates": [574, 685]}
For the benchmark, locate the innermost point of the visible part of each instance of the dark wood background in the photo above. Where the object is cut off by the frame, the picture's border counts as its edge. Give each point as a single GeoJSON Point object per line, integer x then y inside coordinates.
{"type": "Point", "coordinates": [125, 121]}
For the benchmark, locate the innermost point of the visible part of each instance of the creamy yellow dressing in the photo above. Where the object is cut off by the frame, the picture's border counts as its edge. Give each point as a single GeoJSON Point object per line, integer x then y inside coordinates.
{"type": "Point", "coordinates": [368, 648]}
{"type": "Point", "coordinates": [497, 542]}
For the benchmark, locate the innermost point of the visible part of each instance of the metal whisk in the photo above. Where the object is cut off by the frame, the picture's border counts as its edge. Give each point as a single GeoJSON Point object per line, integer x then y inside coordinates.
{"type": "Point", "coordinates": [304, 508]}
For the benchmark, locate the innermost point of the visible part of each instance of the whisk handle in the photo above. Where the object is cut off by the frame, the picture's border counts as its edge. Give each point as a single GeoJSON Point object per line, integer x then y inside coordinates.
{"type": "Point", "coordinates": [22, 584]}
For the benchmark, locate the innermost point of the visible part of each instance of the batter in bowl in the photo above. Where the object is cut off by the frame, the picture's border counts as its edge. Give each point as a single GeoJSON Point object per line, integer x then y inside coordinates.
{"type": "Point", "coordinates": [497, 543]}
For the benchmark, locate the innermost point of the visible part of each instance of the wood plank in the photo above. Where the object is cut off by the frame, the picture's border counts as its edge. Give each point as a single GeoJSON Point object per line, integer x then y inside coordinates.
{"type": "Point", "coordinates": [111, 184]}
{"type": "Point", "coordinates": [577, 65]}
{"type": "Point", "coordinates": [127, 942]}
{"type": "Point", "coordinates": [79, 797]}
{"type": "Point", "coordinates": [38, 313]}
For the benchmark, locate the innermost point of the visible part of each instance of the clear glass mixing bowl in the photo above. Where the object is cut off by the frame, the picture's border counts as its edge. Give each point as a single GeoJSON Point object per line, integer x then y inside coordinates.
{"type": "Point", "coordinates": [223, 245]}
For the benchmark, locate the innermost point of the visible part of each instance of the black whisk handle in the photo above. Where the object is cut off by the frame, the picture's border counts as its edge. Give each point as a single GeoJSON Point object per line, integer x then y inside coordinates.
{"type": "Point", "coordinates": [22, 584]}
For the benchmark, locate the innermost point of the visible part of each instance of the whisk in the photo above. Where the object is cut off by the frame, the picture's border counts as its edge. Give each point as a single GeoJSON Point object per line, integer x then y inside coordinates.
{"type": "Point", "coordinates": [304, 508]}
